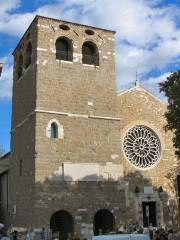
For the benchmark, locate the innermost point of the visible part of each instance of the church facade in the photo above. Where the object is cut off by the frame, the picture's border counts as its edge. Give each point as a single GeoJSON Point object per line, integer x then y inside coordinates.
{"type": "Point", "coordinates": [83, 158]}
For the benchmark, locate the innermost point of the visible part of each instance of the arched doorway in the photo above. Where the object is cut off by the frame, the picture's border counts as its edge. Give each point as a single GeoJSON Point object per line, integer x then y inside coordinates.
{"type": "Point", "coordinates": [104, 221]}
{"type": "Point", "coordinates": [62, 223]}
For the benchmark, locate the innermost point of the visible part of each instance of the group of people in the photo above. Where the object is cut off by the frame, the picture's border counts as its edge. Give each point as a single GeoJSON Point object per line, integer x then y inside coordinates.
{"type": "Point", "coordinates": [162, 234]}
{"type": "Point", "coordinates": [159, 233]}
{"type": "Point", "coordinates": [4, 235]}
{"type": "Point", "coordinates": [43, 235]}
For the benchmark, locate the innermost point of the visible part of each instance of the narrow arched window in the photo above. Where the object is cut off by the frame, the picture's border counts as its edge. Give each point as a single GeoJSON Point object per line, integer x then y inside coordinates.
{"type": "Point", "coordinates": [54, 130]}
{"type": "Point", "coordinates": [28, 55]}
{"type": "Point", "coordinates": [21, 167]}
{"type": "Point", "coordinates": [90, 54]}
{"type": "Point", "coordinates": [20, 67]}
{"type": "Point", "coordinates": [64, 49]}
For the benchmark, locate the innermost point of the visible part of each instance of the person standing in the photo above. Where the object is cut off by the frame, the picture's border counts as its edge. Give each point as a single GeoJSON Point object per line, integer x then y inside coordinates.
{"type": "Point", "coordinates": [15, 235]}
{"type": "Point", "coordinates": [4, 235]}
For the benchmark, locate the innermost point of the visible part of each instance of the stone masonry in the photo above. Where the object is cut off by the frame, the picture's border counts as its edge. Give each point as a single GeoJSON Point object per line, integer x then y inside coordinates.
{"type": "Point", "coordinates": [82, 99]}
{"type": "Point", "coordinates": [138, 107]}
{"type": "Point", "coordinates": [93, 120]}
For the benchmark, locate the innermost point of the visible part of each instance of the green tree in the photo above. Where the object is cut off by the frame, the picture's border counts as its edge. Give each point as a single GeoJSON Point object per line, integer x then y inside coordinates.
{"type": "Point", "coordinates": [171, 89]}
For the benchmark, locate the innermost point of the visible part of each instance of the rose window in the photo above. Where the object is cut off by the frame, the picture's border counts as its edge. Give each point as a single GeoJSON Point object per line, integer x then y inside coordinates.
{"type": "Point", "coordinates": [142, 147]}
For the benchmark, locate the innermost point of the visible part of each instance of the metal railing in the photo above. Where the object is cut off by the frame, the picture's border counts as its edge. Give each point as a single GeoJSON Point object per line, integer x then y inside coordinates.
{"type": "Point", "coordinates": [66, 56]}
{"type": "Point", "coordinates": [90, 59]}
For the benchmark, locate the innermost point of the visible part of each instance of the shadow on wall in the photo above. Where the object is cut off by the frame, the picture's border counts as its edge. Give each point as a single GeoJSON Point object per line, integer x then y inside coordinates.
{"type": "Point", "coordinates": [127, 199]}
{"type": "Point", "coordinates": [149, 199]}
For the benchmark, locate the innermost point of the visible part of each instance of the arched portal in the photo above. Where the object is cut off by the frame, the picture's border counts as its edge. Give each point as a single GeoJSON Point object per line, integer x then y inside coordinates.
{"type": "Point", "coordinates": [104, 222]}
{"type": "Point", "coordinates": [62, 222]}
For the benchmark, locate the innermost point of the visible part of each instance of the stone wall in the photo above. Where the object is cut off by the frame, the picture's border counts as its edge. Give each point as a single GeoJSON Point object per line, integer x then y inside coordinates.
{"type": "Point", "coordinates": [4, 198]}
{"type": "Point", "coordinates": [75, 87]}
{"type": "Point", "coordinates": [21, 182]}
{"type": "Point", "coordinates": [4, 188]}
{"type": "Point", "coordinates": [138, 107]}
{"type": "Point", "coordinates": [81, 199]}
{"type": "Point", "coordinates": [24, 88]}
{"type": "Point", "coordinates": [92, 122]}
{"type": "Point", "coordinates": [82, 98]}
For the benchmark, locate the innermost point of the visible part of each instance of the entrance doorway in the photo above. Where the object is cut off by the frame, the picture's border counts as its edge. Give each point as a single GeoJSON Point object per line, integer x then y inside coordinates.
{"type": "Point", "coordinates": [104, 222]}
{"type": "Point", "coordinates": [62, 223]}
{"type": "Point", "coordinates": [149, 214]}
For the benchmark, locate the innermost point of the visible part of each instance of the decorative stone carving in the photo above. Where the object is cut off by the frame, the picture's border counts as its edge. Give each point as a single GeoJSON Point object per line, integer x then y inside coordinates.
{"type": "Point", "coordinates": [142, 147]}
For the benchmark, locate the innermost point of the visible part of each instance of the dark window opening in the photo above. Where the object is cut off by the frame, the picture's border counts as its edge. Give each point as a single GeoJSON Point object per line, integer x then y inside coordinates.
{"type": "Point", "coordinates": [20, 67]}
{"type": "Point", "coordinates": [4, 191]}
{"type": "Point", "coordinates": [54, 130]}
{"type": "Point", "coordinates": [21, 46]}
{"type": "Point", "coordinates": [19, 72]}
{"type": "Point", "coordinates": [28, 55]}
{"type": "Point", "coordinates": [28, 36]}
{"type": "Point", "coordinates": [149, 214]}
{"type": "Point", "coordinates": [64, 49]}
{"type": "Point", "coordinates": [90, 54]}
{"type": "Point", "coordinates": [20, 168]}
{"type": "Point", "coordinates": [178, 185]}
{"type": "Point", "coordinates": [64, 27]}
{"type": "Point", "coordinates": [89, 32]}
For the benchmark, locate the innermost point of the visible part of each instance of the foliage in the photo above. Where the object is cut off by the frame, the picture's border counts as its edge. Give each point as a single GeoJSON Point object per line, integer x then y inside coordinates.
{"type": "Point", "coordinates": [171, 88]}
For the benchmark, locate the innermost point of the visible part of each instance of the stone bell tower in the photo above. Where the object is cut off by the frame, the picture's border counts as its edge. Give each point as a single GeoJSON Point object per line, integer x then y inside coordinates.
{"type": "Point", "coordinates": [65, 125]}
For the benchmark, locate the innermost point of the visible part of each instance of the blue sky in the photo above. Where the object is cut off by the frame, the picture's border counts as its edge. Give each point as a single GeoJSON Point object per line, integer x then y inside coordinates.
{"type": "Point", "coordinates": [147, 39]}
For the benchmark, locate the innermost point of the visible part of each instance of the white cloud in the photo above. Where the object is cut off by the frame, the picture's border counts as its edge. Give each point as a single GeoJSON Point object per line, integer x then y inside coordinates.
{"type": "Point", "coordinates": [152, 84]}
{"type": "Point", "coordinates": [147, 36]}
{"type": "Point", "coordinates": [16, 25]}
{"type": "Point", "coordinates": [12, 23]}
{"type": "Point", "coordinates": [6, 78]}
{"type": "Point", "coordinates": [7, 6]}
{"type": "Point", "coordinates": [132, 58]}
{"type": "Point", "coordinates": [157, 80]}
